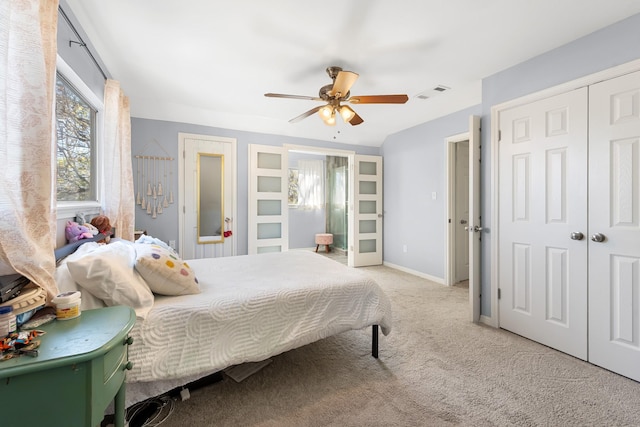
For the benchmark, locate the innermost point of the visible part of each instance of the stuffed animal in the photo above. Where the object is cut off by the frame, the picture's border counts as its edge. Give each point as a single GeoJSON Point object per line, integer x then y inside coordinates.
{"type": "Point", "coordinates": [74, 232]}
{"type": "Point", "coordinates": [102, 223]}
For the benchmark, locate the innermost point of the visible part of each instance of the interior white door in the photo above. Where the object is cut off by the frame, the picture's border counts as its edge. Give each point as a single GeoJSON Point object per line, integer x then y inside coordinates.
{"type": "Point", "coordinates": [190, 145]}
{"type": "Point", "coordinates": [475, 223]}
{"type": "Point", "coordinates": [461, 217]}
{"type": "Point", "coordinates": [614, 225]}
{"type": "Point", "coordinates": [365, 225]}
{"type": "Point", "coordinates": [542, 184]}
{"type": "Point", "coordinates": [268, 199]}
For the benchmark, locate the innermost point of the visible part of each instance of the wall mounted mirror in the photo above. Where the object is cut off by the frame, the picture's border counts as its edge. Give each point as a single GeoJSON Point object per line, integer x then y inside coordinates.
{"type": "Point", "coordinates": [210, 192]}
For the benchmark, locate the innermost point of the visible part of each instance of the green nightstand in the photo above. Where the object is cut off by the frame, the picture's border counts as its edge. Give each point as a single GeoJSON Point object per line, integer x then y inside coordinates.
{"type": "Point", "coordinates": [80, 369]}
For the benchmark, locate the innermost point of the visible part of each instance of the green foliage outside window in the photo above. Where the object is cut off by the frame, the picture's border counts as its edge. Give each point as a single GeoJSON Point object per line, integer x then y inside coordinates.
{"type": "Point", "coordinates": [75, 127]}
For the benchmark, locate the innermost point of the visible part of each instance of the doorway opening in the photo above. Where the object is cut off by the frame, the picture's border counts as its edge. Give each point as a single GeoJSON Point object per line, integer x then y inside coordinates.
{"type": "Point", "coordinates": [457, 215]}
{"type": "Point", "coordinates": [333, 216]}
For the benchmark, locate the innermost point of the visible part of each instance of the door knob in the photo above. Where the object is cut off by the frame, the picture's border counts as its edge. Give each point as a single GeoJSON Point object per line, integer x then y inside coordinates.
{"type": "Point", "coordinates": [477, 229]}
{"type": "Point", "coordinates": [598, 237]}
{"type": "Point", "coordinates": [576, 235]}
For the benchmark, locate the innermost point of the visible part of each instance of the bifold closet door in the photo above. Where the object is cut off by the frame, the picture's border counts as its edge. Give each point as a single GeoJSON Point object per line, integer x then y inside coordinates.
{"type": "Point", "coordinates": [614, 225]}
{"type": "Point", "coordinates": [542, 207]}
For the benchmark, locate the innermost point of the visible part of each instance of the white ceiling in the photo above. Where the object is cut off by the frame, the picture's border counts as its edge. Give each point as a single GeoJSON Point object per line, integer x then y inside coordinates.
{"type": "Point", "coordinates": [210, 62]}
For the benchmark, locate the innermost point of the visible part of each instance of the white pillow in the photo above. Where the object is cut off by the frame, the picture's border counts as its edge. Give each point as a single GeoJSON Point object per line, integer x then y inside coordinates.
{"type": "Point", "coordinates": [66, 283]}
{"type": "Point", "coordinates": [164, 271]}
{"type": "Point", "coordinates": [107, 272]}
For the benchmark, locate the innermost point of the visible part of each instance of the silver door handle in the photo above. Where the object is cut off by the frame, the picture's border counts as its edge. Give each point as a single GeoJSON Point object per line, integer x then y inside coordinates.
{"type": "Point", "coordinates": [598, 237]}
{"type": "Point", "coordinates": [476, 229]}
{"type": "Point", "coordinates": [463, 221]}
{"type": "Point", "coordinates": [576, 235]}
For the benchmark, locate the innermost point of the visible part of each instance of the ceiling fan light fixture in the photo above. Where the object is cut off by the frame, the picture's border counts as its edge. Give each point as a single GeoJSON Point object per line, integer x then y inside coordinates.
{"type": "Point", "coordinates": [331, 121]}
{"type": "Point", "coordinates": [326, 112]}
{"type": "Point", "coordinates": [347, 113]}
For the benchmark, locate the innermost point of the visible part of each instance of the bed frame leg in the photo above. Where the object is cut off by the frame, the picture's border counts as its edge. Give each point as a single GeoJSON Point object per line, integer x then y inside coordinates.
{"type": "Point", "coordinates": [374, 341]}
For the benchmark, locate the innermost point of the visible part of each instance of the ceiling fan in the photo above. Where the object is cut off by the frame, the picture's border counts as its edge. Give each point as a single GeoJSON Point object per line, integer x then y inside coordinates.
{"type": "Point", "coordinates": [336, 93]}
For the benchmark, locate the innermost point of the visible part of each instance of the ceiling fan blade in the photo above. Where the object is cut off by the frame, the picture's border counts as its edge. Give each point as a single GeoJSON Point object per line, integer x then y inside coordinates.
{"type": "Point", "coordinates": [306, 114]}
{"type": "Point", "coordinates": [281, 95]}
{"type": "Point", "coordinates": [356, 120]}
{"type": "Point", "coordinates": [379, 99]}
{"type": "Point", "coordinates": [344, 81]}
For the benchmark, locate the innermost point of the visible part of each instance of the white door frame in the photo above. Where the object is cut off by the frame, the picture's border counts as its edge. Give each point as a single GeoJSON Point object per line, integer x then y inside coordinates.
{"type": "Point", "coordinates": [494, 319]}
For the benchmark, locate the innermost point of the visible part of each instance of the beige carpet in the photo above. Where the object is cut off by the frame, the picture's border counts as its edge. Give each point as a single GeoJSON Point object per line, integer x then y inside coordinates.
{"type": "Point", "coordinates": [435, 369]}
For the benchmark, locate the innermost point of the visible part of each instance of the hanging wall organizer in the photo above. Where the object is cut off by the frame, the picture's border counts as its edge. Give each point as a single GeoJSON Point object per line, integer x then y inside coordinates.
{"type": "Point", "coordinates": [154, 182]}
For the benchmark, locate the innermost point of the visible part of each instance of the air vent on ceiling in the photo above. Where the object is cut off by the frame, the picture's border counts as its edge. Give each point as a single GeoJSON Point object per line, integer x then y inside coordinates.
{"type": "Point", "coordinates": [432, 92]}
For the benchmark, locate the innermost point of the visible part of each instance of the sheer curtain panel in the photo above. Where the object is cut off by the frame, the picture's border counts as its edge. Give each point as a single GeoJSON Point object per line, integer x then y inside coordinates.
{"type": "Point", "coordinates": [27, 134]}
{"type": "Point", "coordinates": [118, 196]}
{"type": "Point", "coordinates": [311, 184]}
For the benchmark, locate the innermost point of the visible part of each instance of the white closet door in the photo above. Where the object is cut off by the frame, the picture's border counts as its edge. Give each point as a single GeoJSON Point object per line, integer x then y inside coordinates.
{"type": "Point", "coordinates": [542, 187]}
{"type": "Point", "coordinates": [268, 199]}
{"type": "Point", "coordinates": [614, 210]}
{"type": "Point", "coordinates": [365, 225]}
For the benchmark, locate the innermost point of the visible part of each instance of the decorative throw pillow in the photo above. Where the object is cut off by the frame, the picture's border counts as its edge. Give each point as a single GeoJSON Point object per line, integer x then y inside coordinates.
{"type": "Point", "coordinates": [107, 272]}
{"type": "Point", "coordinates": [164, 271]}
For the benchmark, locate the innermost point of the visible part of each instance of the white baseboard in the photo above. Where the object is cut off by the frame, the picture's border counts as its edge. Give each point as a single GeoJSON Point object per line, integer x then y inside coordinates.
{"type": "Point", "coordinates": [439, 280]}
{"type": "Point", "coordinates": [487, 320]}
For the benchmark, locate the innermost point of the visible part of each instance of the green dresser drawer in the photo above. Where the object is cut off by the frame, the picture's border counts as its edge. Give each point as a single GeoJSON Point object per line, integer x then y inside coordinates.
{"type": "Point", "coordinates": [80, 369]}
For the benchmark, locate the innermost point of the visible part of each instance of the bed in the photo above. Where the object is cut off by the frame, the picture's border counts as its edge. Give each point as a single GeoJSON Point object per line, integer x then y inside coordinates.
{"type": "Point", "coordinates": [242, 309]}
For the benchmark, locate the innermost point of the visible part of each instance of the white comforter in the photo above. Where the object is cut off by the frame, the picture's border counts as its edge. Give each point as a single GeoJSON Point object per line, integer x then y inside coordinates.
{"type": "Point", "coordinates": [252, 307]}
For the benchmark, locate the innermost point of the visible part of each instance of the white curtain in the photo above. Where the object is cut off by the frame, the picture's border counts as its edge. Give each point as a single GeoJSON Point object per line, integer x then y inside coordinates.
{"type": "Point", "coordinates": [311, 184]}
{"type": "Point", "coordinates": [118, 195]}
{"type": "Point", "coordinates": [27, 133]}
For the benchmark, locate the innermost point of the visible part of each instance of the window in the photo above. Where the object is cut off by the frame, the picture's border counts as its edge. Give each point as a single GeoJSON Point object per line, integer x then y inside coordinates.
{"type": "Point", "coordinates": [293, 187]}
{"type": "Point", "coordinates": [76, 136]}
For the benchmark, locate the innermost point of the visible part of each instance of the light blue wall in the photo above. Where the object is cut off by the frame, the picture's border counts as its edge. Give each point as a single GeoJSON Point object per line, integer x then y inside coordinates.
{"type": "Point", "coordinates": [606, 48]}
{"type": "Point", "coordinates": [414, 168]}
{"type": "Point", "coordinates": [160, 138]}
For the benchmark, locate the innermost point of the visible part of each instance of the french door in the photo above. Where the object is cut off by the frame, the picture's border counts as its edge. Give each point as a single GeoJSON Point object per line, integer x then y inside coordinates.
{"type": "Point", "coordinates": [268, 199]}
{"type": "Point", "coordinates": [268, 204]}
{"type": "Point", "coordinates": [365, 221]}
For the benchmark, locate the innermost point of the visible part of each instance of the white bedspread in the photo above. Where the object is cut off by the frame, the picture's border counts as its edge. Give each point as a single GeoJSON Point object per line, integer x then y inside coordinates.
{"type": "Point", "coordinates": [252, 307]}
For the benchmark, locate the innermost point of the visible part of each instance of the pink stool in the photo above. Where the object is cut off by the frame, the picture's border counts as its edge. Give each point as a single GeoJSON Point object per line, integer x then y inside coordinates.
{"type": "Point", "coordinates": [324, 239]}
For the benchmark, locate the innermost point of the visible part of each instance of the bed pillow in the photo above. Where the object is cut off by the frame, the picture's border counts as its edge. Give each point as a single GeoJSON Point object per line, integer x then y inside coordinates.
{"type": "Point", "coordinates": [164, 271]}
{"type": "Point", "coordinates": [66, 283]}
{"type": "Point", "coordinates": [108, 273]}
